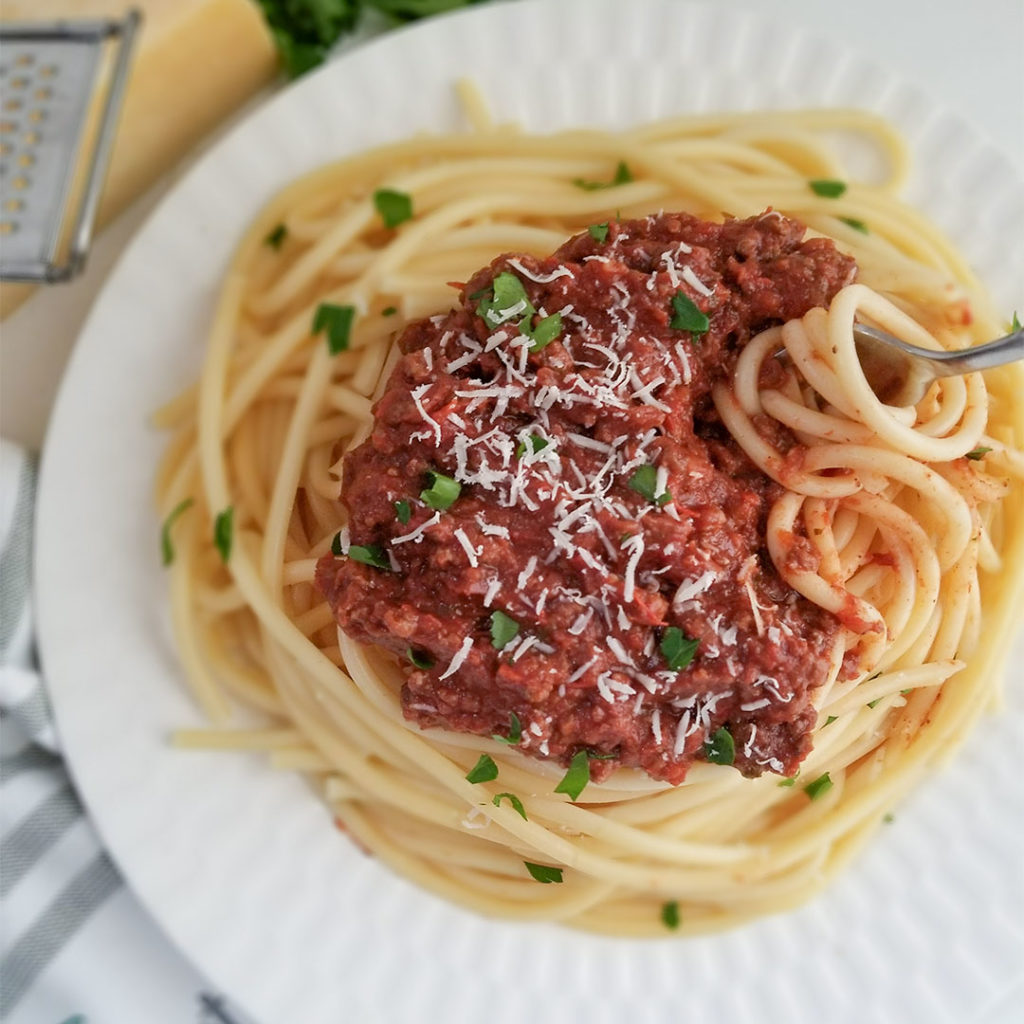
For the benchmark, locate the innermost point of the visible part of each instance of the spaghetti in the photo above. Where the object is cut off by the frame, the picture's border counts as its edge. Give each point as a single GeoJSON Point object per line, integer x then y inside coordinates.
{"type": "Point", "coordinates": [914, 517]}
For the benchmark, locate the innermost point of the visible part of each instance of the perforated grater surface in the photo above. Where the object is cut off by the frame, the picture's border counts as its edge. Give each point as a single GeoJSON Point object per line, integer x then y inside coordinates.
{"type": "Point", "coordinates": [61, 87]}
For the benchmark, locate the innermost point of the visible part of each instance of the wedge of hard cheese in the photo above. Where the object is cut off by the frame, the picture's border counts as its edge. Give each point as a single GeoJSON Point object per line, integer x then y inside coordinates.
{"type": "Point", "coordinates": [195, 61]}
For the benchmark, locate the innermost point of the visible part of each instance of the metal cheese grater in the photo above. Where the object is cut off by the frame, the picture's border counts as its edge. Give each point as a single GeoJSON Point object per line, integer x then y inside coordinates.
{"type": "Point", "coordinates": [61, 87]}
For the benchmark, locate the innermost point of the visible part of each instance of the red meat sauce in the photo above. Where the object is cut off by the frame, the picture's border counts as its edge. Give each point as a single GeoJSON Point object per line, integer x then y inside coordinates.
{"type": "Point", "coordinates": [554, 528]}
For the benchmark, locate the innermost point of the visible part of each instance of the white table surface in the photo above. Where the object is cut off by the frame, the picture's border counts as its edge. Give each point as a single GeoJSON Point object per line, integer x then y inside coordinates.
{"type": "Point", "coordinates": [968, 56]}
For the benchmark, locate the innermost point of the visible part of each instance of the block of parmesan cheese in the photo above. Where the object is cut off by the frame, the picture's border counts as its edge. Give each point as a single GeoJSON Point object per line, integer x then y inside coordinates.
{"type": "Point", "coordinates": [195, 61]}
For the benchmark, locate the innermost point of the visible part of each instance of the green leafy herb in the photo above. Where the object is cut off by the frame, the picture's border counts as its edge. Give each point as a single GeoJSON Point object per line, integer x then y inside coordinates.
{"type": "Point", "coordinates": [721, 749]}
{"type": "Point", "coordinates": [516, 803]}
{"type": "Point", "coordinates": [336, 549]}
{"type": "Point", "coordinates": [978, 454]}
{"type": "Point", "coordinates": [857, 225]}
{"type": "Point", "coordinates": [403, 511]}
{"type": "Point", "coordinates": [686, 316]}
{"type": "Point", "coordinates": [515, 731]}
{"type": "Point", "coordinates": [874, 703]}
{"type": "Point", "coordinates": [503, 630]}
{"type": "Point", "coordinates": [485, 770]}
{"type": "Point", "coordinates": [576, 778]}
{"type": "Point", "coordinates": [677, 648]}
{"type": "Point", "coordinates": [336, 321]}
{"type": "Point", "coordinates": [223, 532]}
{"type": "Point", "coordinates": [372, 554]}
{"type": "Point", "coordinates": [645, 482]}
{"type": "Point", "coordinates": [888, 819]}
{"type": "Point", "coordinates": [442, 492]}
{"type": "Point", "coordinates": [821, 785]}
{"type": "Point", "coordinates": [537, 444]}
{"type": "Point", "coordinates": [394, 207]}
{"type": "Point", "coordinates": [622, 176]}
{"type": "Point", "coordinates": [599, 232]}
{"type": "Point", "coordinates": [420, 659]}
{"type": "Point", "coordinates": [830, 720]}
{"type": "Point", "coordinates": [1015, 323]}
{"type": "Point", "coordinates": [670, 915]}
{"type": "Point", "coordinates": [166, 547]}
{"type": "Point", "coordinates": [389, 311]}
{"type": "Point", "coordinates": [787, 783]}
{"type": "Point", "coordinates": [827, 187]}
{"type": "Point", "coordinates": [508, 301]}
{"type": "Point", "coordinates": [276, 237]}
{"type": "Point", "coordinates": [543, 873]}
{"type": "Point", "coordinates": [545, 332]}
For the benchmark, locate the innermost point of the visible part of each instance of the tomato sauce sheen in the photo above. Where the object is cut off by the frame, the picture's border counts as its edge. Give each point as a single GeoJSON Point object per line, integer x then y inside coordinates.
{"type": "Point", "coordinates": [604, 510]}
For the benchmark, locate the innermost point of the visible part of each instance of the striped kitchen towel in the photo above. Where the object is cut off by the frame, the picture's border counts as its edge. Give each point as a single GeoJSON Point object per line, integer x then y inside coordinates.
{"type": "Point", "coordinates": [75, 946]}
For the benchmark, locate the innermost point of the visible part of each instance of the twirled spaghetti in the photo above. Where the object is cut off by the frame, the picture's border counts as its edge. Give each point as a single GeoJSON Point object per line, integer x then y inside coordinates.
{"type": "Point", "coordinates": [909, 520]}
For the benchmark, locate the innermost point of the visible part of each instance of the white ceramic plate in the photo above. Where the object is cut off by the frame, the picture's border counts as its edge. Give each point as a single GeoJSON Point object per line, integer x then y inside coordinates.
{"type": "Point", "coordinates": [241, 865]}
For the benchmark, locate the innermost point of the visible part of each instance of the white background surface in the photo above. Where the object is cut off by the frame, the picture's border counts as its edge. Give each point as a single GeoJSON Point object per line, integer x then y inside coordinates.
{"type": "Point", "coordinates": [966, 55]}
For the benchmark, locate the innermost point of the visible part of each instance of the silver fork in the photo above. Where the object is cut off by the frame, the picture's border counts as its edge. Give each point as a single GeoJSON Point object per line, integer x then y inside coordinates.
{"type": "Point", "coordinates": [900, 374]}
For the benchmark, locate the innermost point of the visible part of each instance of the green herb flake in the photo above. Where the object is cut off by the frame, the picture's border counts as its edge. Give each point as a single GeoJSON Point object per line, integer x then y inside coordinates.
{"type": "Point", "coordinates": [536, 444]}
{"type": "Point", "coordinates": [503, 630]}
{"type": "Point", "coordinates": [888, 819]}
{"type": "Point", "coordinates": [677, 648]}
{"type": "Point", "coordinates": [874, 703]}
{"type": "Point", "coordinates": [420, 659]}
{"type": "Point", "coordinates": [622, 176]}
{"type": "Point", "coordinates": [223, 532]}
{"type": "Point", "coordinates": [389, 311]}
{"type": "Point", "coordinates": [1015, 322]}
{"type": "Point", "coordinates": [670, 915]}
{"type": "Point", "coordinates": [394, 207]}
{"type": "Point", "coordinates": [789, 782]}
{"type": "Point", "coordinates": [827, 188]}
{"type": "Point", "coordinates": [515, 731]}
{"type": "Point", "coordinates": [645, 481]}
{"type": "Point", "coordinates": [721, 749]}
{"type": "Point", "coordinates": [543, 873]}
{"type": "Point", "coordinates": [403, 511]}
{"type": "Point", "coordinates": [516, 803]}
{"type": "Point", "coordinates": [830, 720]}
{"type": "Point", "coordinates": [819, 787]}
{"type": "Point", "coordinates": [336, 549]}
{"type": "Point", "coordinates": [857, 225]}
{"type": "Point", "coordinates": [372, 554]}
{"type": "Point", "coordinates": [276, 237]}
{"type": "Point", "coordinates": [508, 301]}
{"type": "Point", "coordinates": [686, 316]}
{"type": "Point", "coordinates": [336, 322]}
{"type": "Point", "coordinates": [547, 329]}
{"type": "Point", "coordinates": [485, 770]}
{"type": "Point", "coordinates": [166, 546]}
{"type": "Point", "coordinates": [442, 492]}
{"type": "Point", "coordinates": [977, 454]}
{"type": "Point", "coordinates": [576, 778]}
{"type": "Point", "coordinates": [599, 232]}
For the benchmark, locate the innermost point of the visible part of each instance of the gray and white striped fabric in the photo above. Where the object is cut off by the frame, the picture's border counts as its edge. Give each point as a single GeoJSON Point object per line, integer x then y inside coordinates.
{"type": "Point", "coordinates": [76, 947]}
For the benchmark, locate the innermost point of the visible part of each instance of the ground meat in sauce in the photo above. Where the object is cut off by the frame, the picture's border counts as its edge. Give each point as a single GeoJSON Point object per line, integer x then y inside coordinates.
{"type": "Point", "coordinates": [547, 528]}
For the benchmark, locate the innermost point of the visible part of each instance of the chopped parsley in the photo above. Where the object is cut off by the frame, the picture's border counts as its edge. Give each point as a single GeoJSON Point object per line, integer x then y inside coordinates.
{"type": "Point", "coordinates": [336, 549]}
{"type": "Point", "coordinates": [888, 819]}
{"type": "Point", "coordinates": [576, 778]}
{"type": "Point", "coordinates": [622, 176]}
{"type": "Point", "coordinates": [977, 454]}
{"type": "Point", "coordinates": [420, 659]}
{"type": "Point", "coordinates": [336, 322]}
{"type": "Point", "coordinates": [545, 332]}
{"type": "Point", "coordinates": [789, 782]}
{"type": "Point", "coordinates": [389, 311]}
{"type": "Point", "coordinates": [670, 914]}
{"type": "Point", "coordinates": [721, 749]}
{"type": "Point", "coordinates": [403, 511]}
{"type": "Point", "coordinates": [857, 225]}
{"type": "Point", "coordinates": [508, 300]}
{"type": "Point", "coordinates": [537, 444]}
{"type": "Point", "coordinates": [677, 648]}
{"type": "Point", "coordinates": [371, 554]}
{"type": "Point", "coordinates": [543, 873]}
{"type": "Point", "coordinates": [1015, 322]}
{"type": "Point", "coordinates": [485, 770]}
{"type": "Point", "coordinates": [504, 629]}
{"type": "Point", "coordinates": [223, 532]}
{"type": "Point", "coordinates": [830, 720]}
{"type": "Point", "coordinates": [827, 188]}
{"type": "Point", "coordinates": [821, 785]}
{"type": "Point", "coordinates": [276, 237]}
{"type": "Point", "coordinates": [166, 547]}
{"type": "Point", "coordinates": [515, 731]}
{"type": "Point", "coordinates": [686, 316]}
{"type": "Point", "coordinates": [599, 232]}
{"type": "Point", "coordinates": [645, 482]}
{"type": "Point", "coordinates": [442, 492]}
{"type": "Point", "coordinates": [394, 207]}
{"type": "Point", "coordinates": [516, 803]}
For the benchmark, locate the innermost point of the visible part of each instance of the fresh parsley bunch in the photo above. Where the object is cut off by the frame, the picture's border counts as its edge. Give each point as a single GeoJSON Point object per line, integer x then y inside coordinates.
{"type": "Point", "coordinates": [305, 30]}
